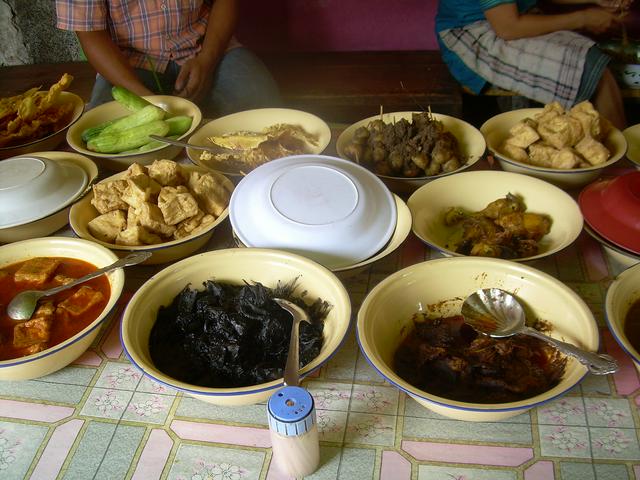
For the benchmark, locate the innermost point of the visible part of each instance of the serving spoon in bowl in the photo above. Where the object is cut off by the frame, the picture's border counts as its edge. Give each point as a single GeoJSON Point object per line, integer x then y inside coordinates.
{"type": "Point", "coordinates": [291, 377]}
{"type": "Point", "coordinates": [497, 313]}
{"type": "Point", "coordinates": [22, 306]}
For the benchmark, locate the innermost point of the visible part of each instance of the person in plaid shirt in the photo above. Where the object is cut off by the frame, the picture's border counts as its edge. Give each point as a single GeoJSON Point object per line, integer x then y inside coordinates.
{"type": "Point", "coordinates": [173, 47]}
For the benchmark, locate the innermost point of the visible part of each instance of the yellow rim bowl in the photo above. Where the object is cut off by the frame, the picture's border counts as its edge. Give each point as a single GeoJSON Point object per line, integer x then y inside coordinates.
{"type": "Point", "coordinates": [233, 265]}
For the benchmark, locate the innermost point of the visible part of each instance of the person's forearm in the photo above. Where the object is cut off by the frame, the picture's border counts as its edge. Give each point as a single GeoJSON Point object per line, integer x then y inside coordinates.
{"type": "Point", "coordinates": [107, 59]}
{"type": "Point", "coordinates": [510, 25]}
{"type": "Point", "coordinates": [220, 28]}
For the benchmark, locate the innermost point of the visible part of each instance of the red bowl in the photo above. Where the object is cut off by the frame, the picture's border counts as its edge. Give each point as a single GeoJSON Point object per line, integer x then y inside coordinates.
{"type": "Point", "coordinates": [612, 208]}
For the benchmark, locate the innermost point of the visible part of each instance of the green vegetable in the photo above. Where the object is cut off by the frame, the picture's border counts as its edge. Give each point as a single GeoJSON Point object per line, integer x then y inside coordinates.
{"type": "Point", "coordinates": [151, 145]}
{"type": "Point", "coordinates": [179, 124]}
{"type": "Point", "coordinates": [128, 99]}
{"type": "Point", "coordinates": [135, 137]}
{"type": "Point", "coordinates": [147, 114]}
{"type": "Point", "coordinates": [88, 133]}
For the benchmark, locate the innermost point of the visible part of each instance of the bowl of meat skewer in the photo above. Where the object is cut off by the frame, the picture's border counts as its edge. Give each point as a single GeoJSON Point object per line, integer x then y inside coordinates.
{"type": "Point", "coordinates": [408, 149]}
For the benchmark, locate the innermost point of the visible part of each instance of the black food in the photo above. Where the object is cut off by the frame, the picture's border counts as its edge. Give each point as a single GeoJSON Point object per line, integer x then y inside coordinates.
{"type": "Point", "coordinates": [448, 358]}
{"type": "Point", "coordinates": [232, 335]}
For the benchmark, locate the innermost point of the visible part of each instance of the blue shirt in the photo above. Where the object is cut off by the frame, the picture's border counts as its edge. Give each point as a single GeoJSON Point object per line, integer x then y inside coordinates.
{"type": "Point", "coordinates": [458, 13]}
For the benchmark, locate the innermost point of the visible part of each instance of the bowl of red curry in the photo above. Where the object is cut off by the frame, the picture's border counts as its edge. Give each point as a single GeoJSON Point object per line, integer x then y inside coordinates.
{"type": "Point", "coordinates": [64, 325]}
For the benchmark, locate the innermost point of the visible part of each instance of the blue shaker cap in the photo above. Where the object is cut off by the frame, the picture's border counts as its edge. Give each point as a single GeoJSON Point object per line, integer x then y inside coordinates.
{"type": "Point", "coordinates": [291, 411]}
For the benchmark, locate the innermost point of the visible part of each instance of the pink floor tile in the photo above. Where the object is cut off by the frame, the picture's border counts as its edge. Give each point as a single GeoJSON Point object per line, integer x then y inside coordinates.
{"type": "Point", "coordinates": [56, 451]}
{"type": "Point", "coordinates": [154, 456]}
{"type": "Point", "coordinates": [482, 455]}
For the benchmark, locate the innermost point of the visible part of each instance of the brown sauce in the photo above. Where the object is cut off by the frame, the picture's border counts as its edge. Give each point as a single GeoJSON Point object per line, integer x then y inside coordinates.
{"type": "Point", "coordinates": [632, 325]}
{"type": "Point", "coordinates": [448, 358]}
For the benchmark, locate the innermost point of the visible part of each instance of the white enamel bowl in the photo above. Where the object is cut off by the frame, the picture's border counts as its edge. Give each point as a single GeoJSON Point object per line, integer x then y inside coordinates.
{"type": "Point", "coordinates": [632, 134]}
{"type": "Point", "coordinates": [328, 209]}
{"type": "Point", "coordinates": [255, 121]}
{"type": "Point", "coordinates": [112, 110]}
{"type": "Point", "coordinates": [37, 191]}
{"type": "Point", "coordinates": [474, 190]}
{"type": "Point", "coordinates": [623, 292]}
{"type": "Point", "coordinates": [59, 356]}
{"type": "Point", "coordinates": [82, 212]}
{"type": "Point", "coordinates": [439, 287]}
{"type": "Point", "coordinates": [496, 131]}
{"type": "Point", "coordinates": [470, 140]}
{"type": "Point", "coordinates": [235, 265]}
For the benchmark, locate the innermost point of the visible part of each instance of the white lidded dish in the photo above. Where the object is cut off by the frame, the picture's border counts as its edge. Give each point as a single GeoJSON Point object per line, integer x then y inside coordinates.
{"type": "Point", "coordinates": [33, 187]}
{"type": "Point", "coordinates": [325, 208]}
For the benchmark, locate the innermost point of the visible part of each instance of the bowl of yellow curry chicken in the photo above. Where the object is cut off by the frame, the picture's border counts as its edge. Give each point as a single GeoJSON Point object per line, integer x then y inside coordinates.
{"type": "Point", "coordinates": [64, 325]}
{"type": "Point", "coordinates": [568, 148]}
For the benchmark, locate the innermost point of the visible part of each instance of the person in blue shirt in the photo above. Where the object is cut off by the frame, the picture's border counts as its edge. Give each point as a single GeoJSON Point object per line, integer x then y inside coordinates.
{"type": "Point", "coordinates": [511, 45]}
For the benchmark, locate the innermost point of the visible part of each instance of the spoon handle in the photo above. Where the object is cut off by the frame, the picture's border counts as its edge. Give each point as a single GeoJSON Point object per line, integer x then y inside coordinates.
{"type": "Point", "coordinates": [598, 364]}
{"type": "Point", "coordinates": [131, 259]}
{"type": "Point", "coordinates": [213, 148]}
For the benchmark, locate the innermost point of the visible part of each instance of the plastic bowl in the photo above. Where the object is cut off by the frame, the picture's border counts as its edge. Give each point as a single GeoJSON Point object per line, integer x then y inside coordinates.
{"type": "Point", "coordinates": [496, 131]}
{"type": "Point", "coordinates": [112, 110]}
{"type": "Point", "coordinates": [470, 140]}
{"type": "Point", "coordinates": [59, 356]}
{"type": "Point", "coordinates": [439, 287]}
{"type": "Point", "coordinates": [611, 207]}
{"type": "Point", "coordinates": [429, 202]}
{"type": "Point", "coordinates": [235, 265]}
{"type": "Point", "coordinates": [329, 209]}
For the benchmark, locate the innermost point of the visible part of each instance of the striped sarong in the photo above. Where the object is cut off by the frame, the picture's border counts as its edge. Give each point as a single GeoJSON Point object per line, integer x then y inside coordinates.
{"type": "Point", "coordinates": [544, 68]}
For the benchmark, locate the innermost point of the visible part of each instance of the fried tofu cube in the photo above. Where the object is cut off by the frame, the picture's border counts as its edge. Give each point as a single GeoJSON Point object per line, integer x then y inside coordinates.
{"type": "Point", "coordinates": [177, 204]}
{"type": "Point", "coordinates": [136, 169]}
{"type": "Point", "coordinates": [36, 330]}
{"type": "Point", "coordinates": [185, 227]}
{"type": "Point", "coordinates": [81, 301]}
{"type": "Point", "coordinates": [519, 154]}
{"type": "Point", "coordinates": [550, 110]}
{"type": "Point", "coordinates": [166, 173]}
{"type": "Point", "coordinates": [132, 218]}
{"type": "Point", "coordinates": [565, 158]}
{"type": "Point", "coordinates": [558, 132]}
{"type": "Point", "coordinates": [212, 196]}
{"type": "Point", "coordinates": [61, 279]}
{"type": "Point", "coordinates": [150, 216]}
{"type": "Point", "coordinates": [107, 196]}
{"type": "Point", "coordinates": [135, 236]}
{"type": "Point", "coordinates": [36, 271]}
{"type": "Point", "coordinates": [140, 189]}
{"type": "Point", "coordinates": [592, 151]}
{"type": "Point", "coordinates": [540, 154]}
{"type": "Point", "coordinates": [523, 134]}
{"type": "Point", "coordinates": [107, 226]}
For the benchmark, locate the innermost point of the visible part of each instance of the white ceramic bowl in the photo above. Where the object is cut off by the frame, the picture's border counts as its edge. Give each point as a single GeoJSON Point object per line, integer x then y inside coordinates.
{"type": "Point", "coordinates": [623, 292]}
{"type": "Point", "coordinates": [619, 259]}
{"type": "Point", "coordinates": [233, 265]}
{"type": "Point", "coordinates": [59, 356]}
{"type": "Point", "coordinates": [52, 140]}
{"type": "Point", "coordinates": [112, 110]}
{"type": "Point", "coordinates": [329, 209]}
{"type": "Point", "coordinates": [496, 131]}
{"type": "Point", "coordinates": [632, 135]}
{"type": "Point", "coordinates": [629, 75]}
{"type": "Point", "coordinates": [470, 141]}
{"type": "Point", "coordinates": [43, 205]}
{"type": "Point", "coordinates": [429, 202]}
{"type": "Point", "coordinates": [255, 121]}
{"type": "Point", "coordinates": [82, 212]}
{"type": "Point", "coordinates": [438, 287]}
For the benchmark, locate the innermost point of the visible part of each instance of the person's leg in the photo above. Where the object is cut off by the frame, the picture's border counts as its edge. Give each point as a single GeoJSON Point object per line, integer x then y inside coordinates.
{"type": "Point", "coordinates": [608, 100]}
{"type": "Point", "coordinates": [241, 82]}
{"type": "Point", "coordinates": [101, 93]}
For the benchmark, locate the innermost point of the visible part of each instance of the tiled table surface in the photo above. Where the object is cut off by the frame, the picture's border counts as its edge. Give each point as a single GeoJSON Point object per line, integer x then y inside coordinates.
{"type": "Point", "coordinates": [99, 418]}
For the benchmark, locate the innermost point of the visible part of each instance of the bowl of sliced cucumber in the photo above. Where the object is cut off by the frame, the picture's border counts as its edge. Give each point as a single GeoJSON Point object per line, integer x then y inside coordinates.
{"type": "Point", "coordinates": [117, 133]}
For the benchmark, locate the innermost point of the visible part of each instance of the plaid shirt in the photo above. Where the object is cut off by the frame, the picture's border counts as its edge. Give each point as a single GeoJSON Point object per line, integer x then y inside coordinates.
{"type": "Point", "coordinates": [151, 33]}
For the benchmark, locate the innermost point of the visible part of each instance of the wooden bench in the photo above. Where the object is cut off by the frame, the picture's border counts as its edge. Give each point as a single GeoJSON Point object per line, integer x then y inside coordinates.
{"type": "Point", "coordinates": [337, 86]}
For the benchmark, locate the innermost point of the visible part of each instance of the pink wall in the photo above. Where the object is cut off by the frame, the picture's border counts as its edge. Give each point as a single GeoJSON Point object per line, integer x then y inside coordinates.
{"type": "Point", "coordinates": [337, 25]}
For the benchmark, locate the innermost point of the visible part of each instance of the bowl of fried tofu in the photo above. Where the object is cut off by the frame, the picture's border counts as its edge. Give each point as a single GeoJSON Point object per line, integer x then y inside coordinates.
{"type": "Point", "coordinates": [63, 325]}
{"type": "Point", "coordinates": [568, 148]}
{"type": "Point", "coordinates": [166, 208]}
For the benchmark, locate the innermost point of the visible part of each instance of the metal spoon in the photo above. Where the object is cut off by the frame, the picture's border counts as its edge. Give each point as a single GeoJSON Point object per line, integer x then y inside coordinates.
{"type": "Point", "coordinates": [497, 313]}
{"type": "Point", "coordinates": [22, 306]}
{"type": "Point", "coordinates": [293, 363]}
{"type": "Point", "coordinates": [212, 148]}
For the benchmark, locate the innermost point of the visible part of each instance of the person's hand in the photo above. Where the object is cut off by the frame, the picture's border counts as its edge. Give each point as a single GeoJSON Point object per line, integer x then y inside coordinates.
{"type": "Point", "coordinates": [598, 20]}
{"type": "Point", "coordinates": [194, 79]}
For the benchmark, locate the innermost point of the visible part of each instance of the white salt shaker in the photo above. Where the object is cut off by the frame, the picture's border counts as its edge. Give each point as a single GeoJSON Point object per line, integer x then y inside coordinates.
{"type": "Point", "coordinates": [294, 432]}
